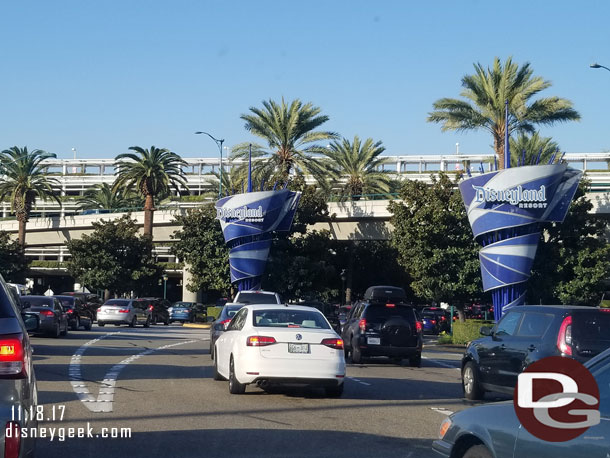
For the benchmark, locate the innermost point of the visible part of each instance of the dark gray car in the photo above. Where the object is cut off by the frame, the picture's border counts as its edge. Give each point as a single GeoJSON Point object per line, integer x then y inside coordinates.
{"type": "Point", "coordinates": [494, 430]}
{"type": "Point", "coordinates": [220, 325]}
{"type": "Point", "coordinates": [18, 393]}
{"type": "Point", "coordinates": [52, 315]}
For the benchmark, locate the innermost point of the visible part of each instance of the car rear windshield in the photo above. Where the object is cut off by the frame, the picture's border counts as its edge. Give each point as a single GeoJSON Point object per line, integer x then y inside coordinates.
{"type": "Point", "coordinates": [120, 302]}
{"type": "Point", "coordinates": [257, 298]}
{"type": "Point", "coordinates": [183, 305]}
{"type": "Point", "coordinates": [69, 301]}
{"type": "Point", "coordinates": [37, 301]}
{"type": "Point", "coordinates": [287, 318]}
{"type": "Point", "coordinates": [6, 309]}
{"type": "Point", "coordinates": [591, 325]}
{"type": "Point", "coordinates": [380, 313]}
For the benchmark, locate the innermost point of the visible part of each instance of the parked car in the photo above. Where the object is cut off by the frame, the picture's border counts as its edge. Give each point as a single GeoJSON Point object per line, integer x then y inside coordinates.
{"type": "Point", "coordinates": [493, 430]}
{"type": "Point", "coordinates": [159, 309]}
{"type": "Point", "coordinates": [53, 318]}
{"type": "Point", "coordinates": [278, 344]}
{"type": "Point", "coordinates": [526, 334]}
{"type": "Point", "coordinates": [124, 311]}
{"type": "Point", "coordinates": [200, 313]}
{"type": "Point", "coordinates": [220, 324]}
{"type": "Point", "coordinates": [383, 324]}
{"type": "Point", "coordinates": [257, 297]}
{"type": "Point", "coordinates": [182, 312]}
{"type": "Point", "coordinates": [78, 314]}
{"type": "Point", "coordinates": [18, 391]}
{"type": "Point", "coordinates": [92, 301]}
{"type": "Point", "coordinates": [342, 315]}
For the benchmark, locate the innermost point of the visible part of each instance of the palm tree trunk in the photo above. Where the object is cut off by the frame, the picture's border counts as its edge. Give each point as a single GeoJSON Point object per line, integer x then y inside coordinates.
{"type": "Point", "coordinates": [21, 236]}
{"type": "Point", "coordinates": [499, 148]}
{"type": "Point", "coordinates": [149, 208]}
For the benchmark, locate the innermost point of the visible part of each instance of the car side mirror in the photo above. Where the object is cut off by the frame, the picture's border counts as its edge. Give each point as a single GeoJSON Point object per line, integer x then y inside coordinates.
{"type": "Point", "coordinates": [486, 331]}
{"type": "Point", "coordinates": [31, 321]}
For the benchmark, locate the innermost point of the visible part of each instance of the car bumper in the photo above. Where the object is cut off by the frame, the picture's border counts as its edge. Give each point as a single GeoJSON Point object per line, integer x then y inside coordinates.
{"type": "Point", "coordinates": [280, 370]}
{"type": "Point", "coordinates": [442, 448]}
{"type": "Point", "coordinates": [113, 319]}
{"type": "Point", "coordinates": [183, 318]}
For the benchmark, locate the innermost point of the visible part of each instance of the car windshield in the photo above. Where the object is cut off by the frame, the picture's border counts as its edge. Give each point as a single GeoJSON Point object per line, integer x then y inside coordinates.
{"type": "Point", "coordinates": [287, 318]}
{"type": "Point", "coordinates": [257, 298]}
{"type": "Point", "coordinates": [120, 302]}
{"type": "Point", "coordinates": [34, 301]}
{"type": "Point", "coordinates": [379, 313]}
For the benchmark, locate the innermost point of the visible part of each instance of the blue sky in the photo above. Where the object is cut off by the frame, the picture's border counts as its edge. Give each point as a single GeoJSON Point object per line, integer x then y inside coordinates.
{"type": "Point", "coordinates": [100, 76]}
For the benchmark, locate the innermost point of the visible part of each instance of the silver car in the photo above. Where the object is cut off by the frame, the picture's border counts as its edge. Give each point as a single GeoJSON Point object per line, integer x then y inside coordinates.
{"type": "Point", "coordinates": [18, 394]}
{"type": "Point", "coordinates": [124, 311]}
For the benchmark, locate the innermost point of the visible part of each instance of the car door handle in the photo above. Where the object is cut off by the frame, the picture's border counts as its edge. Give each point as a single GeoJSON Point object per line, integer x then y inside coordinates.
{"type": "Point", "coordinates": [531, 348]}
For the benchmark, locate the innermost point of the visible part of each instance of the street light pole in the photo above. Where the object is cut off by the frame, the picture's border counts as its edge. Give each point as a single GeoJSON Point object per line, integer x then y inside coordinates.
{"type": "Point", "coordinates": [219, 144]}
{"type": "Point", "coordinates": [596, 65]}
{"type": "Point", "coordinates": [165, 286]}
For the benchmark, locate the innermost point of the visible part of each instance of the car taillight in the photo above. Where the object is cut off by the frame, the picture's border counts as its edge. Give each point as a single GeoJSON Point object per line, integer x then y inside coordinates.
{"type": "Point", "coordinates": [12, 357]}
{"type": "Point", "coordinates": [260, 341]}
{"type": "Point", "coordinates": [124, 311]}
{"type": "Point", "coordinates": [418, 326]}
{"type": "Point", "coordinates": [390, 305]}
{"type": "Point", "coordinates": [12, 440]}
{"type": "Point", "coordinates": [47, 313]}
{"type": "Point", "coordinates": [433, 321]}
{"type": "Point", "coordinates": [225, 324]}
{"type": "Point", "coordinates": [99, 310]}
{"type": "Point", "coordinates": [337, 344]}
{"type": "Point", "coordinates": [150, 307]}
{"type": "Point", "coordinates": [443, 318]}
{"type": "Point", "coordinates": [70, 311]}
{"type": "Point", "coordinates": [362, 325]}
{"type": "Point", "coordinates": [564, 338]}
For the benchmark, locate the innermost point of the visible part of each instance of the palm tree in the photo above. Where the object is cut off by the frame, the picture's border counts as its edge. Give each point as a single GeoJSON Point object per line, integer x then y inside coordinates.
{"type": "Point", "coordinates": [152, 172]}
{"type": "Point", "coordinates": [537, 150]}
{"type": "Point", "coordinates": [354, 167]}
{"type": "Point", "coordinates": [488, 89]}
{"type": "Point", "coordinates": [289, 130]}
{"type": "Point", "coordinates": [104, 197]}
{"type": "Point", "coordinates": [24, 181]}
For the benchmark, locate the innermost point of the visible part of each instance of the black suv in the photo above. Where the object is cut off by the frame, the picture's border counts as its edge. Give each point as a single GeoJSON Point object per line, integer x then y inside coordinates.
{"type": "Point", "coordinates": [526, 334]}
{"type": "Point", "coordinates": [383, 324]}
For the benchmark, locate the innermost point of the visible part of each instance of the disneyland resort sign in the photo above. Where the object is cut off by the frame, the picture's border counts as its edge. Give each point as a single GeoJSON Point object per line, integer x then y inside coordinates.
{"type": "Point", "coordinates": [523, 198]}
{"type": "Point", "coordinates": [251, 215]}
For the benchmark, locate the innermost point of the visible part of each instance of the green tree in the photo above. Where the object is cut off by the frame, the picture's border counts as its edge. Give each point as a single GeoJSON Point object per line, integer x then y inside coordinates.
{"type": "Point", "coordinates": [291, 136]}
{"type": "Point", "coordinates": [354, 167]}
{"type": "Point", "coordinates": [104, 197]}
{"type": "Point", "coordinates": [13, 263]}
{"type": "Point", "coordinates": [573, 257]}
{"type": "Point", "coordinates": [152, 172]}
{"type": "Point", "coordinates": [25, 180]}
{"type": "Point", "coordinates": [114, 257]}
{"type": "Point", "coordinates": [434, 241]}
{"type": "Point", "coordinates": [534, 146]}
{"type": "Point", "coordinates": [200, 244]}
{"type": "Point", "coordinates": [486, 92]}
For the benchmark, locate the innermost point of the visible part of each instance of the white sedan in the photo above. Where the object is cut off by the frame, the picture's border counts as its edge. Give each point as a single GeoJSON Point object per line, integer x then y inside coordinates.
{"type": "Point", "coordinates": [289, 344]}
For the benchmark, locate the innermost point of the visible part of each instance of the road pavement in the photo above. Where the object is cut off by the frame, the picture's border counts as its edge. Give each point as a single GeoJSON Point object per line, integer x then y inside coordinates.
{"type": "Point", "coordinates": [158, 383]}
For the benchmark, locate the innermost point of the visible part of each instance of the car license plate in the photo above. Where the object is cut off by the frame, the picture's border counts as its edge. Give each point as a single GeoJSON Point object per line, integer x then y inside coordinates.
{"type": "Point", "coordinates": [298, 348]}
{"type": "Point", "coordinates": [373, 340]}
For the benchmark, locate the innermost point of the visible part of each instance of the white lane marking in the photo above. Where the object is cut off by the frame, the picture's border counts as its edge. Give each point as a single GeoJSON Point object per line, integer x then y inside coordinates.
{"type": "Point", "coordinates": [442, 410]}
{"type": "Point", "coordinates": [359, 381]}
{"type": "Point", "coordinates": [105, 397]}
{"type": "Point", "coordinates": [440, 363]}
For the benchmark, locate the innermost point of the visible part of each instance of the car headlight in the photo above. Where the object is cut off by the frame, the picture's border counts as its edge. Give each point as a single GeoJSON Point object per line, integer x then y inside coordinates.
{"type": "Point", "coordinates": [170, 310]}
{"type": "Point", "coordinates": [445, 425]}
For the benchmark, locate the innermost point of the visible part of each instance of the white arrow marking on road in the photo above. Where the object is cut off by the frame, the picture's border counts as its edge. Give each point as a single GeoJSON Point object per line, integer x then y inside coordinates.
{"type": "Point", "coordinates": [105, 397]}
{"type": "Point", "coordinates": [442, 410]}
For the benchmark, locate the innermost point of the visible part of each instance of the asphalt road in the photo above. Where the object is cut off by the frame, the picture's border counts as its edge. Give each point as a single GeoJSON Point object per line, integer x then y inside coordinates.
{"type": "Point", "coordinates": [158, 382]}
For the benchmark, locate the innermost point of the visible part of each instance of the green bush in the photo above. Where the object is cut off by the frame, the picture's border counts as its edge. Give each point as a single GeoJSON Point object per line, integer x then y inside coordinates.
{"type": "Point", "coordinates": [214, 311]}
{"type": "Point", "coordinates": [464, 332]}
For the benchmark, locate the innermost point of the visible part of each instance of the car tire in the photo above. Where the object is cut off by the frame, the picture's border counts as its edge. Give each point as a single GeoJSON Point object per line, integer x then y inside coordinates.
{"type": "Point", "coordinates": [147, 322]}
{"type": "Point", "coordinates": [76, 324]}
{"type": "Point", "coordinates": [234, 386]}
{"type": "Point", "coordinates": [478, 451]}
{"type": "Point", "coordinates": [89, 325]}
{"type": "Point", "coordinates": [166, 322]}
{"type": "Point", "coordinates": [334, 391]}
{"type": "Point", "coordinates": [356, 352]}
{"type": "Point", "coordinates": [415, 361]}
{"type": "Point", "coordinates": [211, 351]}
{"type": "Point", "coordinates": [470, 382]}
{"type": "Point", "coordinates": [65, 331]}
{"type": "Point", "coordinates": [56, 332]}
{"type": "Point", "coordinates": [101, 325]}
{"type": "Point", "coordinates": [217, 375]}
{"type": "Point", "coordinates": [133, 323]}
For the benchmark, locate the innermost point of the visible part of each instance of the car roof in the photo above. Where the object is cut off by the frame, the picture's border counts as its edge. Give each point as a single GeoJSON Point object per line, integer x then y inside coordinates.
{"type": "Point", "coordinates": [280, 307]}
{"type": "Point", "coordinates": [556, 307]}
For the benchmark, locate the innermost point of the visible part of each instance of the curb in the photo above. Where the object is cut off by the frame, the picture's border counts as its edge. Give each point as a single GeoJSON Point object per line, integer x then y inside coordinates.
{"type": "Point", "coordinates": [197, 325]}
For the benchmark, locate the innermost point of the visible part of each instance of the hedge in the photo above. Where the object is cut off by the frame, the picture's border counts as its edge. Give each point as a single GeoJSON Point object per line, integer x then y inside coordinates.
{"type": "Point", "coordinates": [464, 332]}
